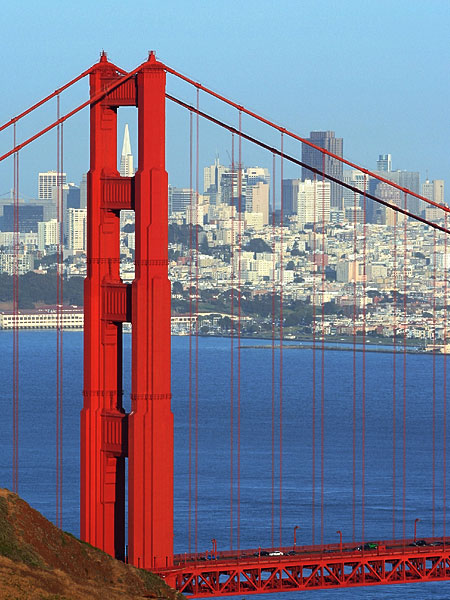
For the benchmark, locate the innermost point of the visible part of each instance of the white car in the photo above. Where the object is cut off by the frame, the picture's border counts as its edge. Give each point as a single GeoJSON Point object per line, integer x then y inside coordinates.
{"type": "Point", "coordinates": [276, 553]}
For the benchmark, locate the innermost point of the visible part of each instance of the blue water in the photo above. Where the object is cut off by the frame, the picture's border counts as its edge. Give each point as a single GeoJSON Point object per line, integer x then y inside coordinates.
{"type": "Point", "coordinates": [37, 444]}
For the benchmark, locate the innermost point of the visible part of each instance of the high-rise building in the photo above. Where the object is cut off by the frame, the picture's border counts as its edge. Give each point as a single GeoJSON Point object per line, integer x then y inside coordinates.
{"type": "Point", "coordinates": [48, 233]}
{"type": "Point", "coordinates": [434, 190]}
{"type": "Point", "coordinates": [384, 163]}
{"type": "Point", "coordinates": [388, 216]}
{"type": "Point", "coordinates": [47, 181]}
{"type": "Point", "coordinates": [253, 177]}
{"type": "Point", "coordinates": [260, 200]}
{"type": "Point", "coordinates": [313, 202]}
{"type": "Point", "coordinates": [29, 217]}
{"type": "Point", "coordinates": [356, 179]}
{"type": "Point", "coordinates": [290, 196]}
{"type": "Point", "coordinates": [180, 199]}
{"type": "Point", "coordinates": [73, 199]}
{"type": "Point", "coordinates": [83, 191]}
{"type": "Point", "coordinates": [409, 180]}
{"type": "Point", "coordinates": [231, 184]}
{"type": "Point", "coordinates": [212, 177]}
{"type": "Point", "coordinates": [316, 159]}
{"type": "Point", "coordinates": [126, 158]}
{"type": "Point", "coordinates": [76, 239]}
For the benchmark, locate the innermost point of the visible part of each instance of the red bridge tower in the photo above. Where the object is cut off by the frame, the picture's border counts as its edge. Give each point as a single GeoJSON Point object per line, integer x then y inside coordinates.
{"type": "Point", "coordinates": [108, 434]}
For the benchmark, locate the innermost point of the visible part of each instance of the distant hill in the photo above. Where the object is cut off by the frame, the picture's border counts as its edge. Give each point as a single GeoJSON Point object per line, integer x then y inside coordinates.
{"type": "Point", "coordinates": [38, 561]}
{"type": "Point", "coordinates": [40, 289]}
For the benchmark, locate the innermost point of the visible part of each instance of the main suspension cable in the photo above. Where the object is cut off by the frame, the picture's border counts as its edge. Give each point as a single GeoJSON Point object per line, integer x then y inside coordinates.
{"type": "Point", "coordinates": [300, 163]}
{"type": "Point", "coordinates": [305, 141]}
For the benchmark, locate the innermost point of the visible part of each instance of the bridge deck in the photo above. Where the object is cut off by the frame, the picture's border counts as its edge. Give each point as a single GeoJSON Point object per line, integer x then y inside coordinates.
{"type": "Point", "coordinates": [309, 567]}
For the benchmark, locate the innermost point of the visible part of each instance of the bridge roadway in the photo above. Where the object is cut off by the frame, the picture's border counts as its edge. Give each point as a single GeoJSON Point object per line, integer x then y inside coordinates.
{"type": "Point", "coordinates": [309, 567]}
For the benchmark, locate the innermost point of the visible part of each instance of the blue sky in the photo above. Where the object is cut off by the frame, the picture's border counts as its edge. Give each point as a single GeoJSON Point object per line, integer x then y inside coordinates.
{"type": "Point", "coordinates": [376, 72]}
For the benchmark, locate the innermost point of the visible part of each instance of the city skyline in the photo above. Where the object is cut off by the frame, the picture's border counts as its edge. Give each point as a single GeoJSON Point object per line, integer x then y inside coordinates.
{"type": "Point", "coordinates": [400, 87]}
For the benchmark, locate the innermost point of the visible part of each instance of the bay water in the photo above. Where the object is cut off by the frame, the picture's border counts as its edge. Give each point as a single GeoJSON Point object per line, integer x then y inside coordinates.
{"type": "Point", "coordinates": [369, 395]}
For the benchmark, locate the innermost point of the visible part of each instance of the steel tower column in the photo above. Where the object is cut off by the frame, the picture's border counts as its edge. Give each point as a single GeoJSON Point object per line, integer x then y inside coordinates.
{"type": "Point", "coordinates": [102, 497]}
{"type": "Point", "coordinates": [150, 483]}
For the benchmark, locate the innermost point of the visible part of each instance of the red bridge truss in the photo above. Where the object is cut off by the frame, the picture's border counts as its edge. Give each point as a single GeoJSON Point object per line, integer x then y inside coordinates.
{"type": "Point", "coordinates": [310, 569]}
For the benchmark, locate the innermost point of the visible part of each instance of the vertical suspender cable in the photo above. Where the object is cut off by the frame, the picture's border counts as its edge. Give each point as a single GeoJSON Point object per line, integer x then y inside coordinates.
{"type": "Point", "coordinates": [433, 491]}
{"type": "Point", "coordinates": [60, 324]}
{"type": "Point", "coordinates": [444, 441]}
{"type": "Point", "coordinates": [354, 367]}
{"type": "Point", "coordinates": [322, 378]}
{"type": "Point", "coordinates": [313, 442]}
{"type": "Point", "coordinates": [394, 373]}
{"type": "Point", "coordinates": [196, 320]}
{"type": "Point", "coordinates": [58, 308]}
{"type": "Point", "coordinates": [363, 383]}
{"type": "Point", "coordinates": [59, 312]}
{"type": "Point", "coordinates": [191, 208]}
{"type": "Point", "coordinates": [232, 209]}
{"type": "Point", "coordinates": [238, 534]}
{"type": "Point", "coordinates": [273, 341]}
{"type": "Point", "coordinates": [405, 231]}
{"type": "Point", "coordinates": [15, 461]}
{"type": "Point", "coordinates": [281, 343]}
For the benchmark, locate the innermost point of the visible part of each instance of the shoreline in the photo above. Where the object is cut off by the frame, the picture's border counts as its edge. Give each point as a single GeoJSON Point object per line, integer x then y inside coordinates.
{"type": "Point", "coordinates": [333, 344]}
{"type": "Point", "coordinates": [339, 348]}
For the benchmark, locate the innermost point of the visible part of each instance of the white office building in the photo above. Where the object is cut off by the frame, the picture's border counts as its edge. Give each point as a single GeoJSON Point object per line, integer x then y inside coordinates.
{"type": "Point", "coordinates": [48, 234]}
{"type": "Point", "coordinates": [313, 202]}
{"type": "Point", "coordinates": [47, 181]}
{"type": "Point", "coordinates": [77, 229]}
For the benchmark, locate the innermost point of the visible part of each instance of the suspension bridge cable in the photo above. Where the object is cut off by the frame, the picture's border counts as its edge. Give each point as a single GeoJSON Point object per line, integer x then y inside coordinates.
{"type": "Point", "coordinates": [17, 118]}
{"type": "Point", "coordinates": [322, 365]}
{"type": "Point", "coordinates": [274, 293]}
{"type": "Point", "coordinates": [433, 452]}
{"type": "Point", "coordinates": [394, 376]}
{"type": "Point", "coordinates": [58, 299]}
{"type": "Point", "coordinates": [191, 207]}
{"type": "Point", "coordinates": [197, 276]}
{"type": "Point", "coordinates": [314, 267]}
{"type": "Point", "coordinates": [363, 383]}
{"type": "Point", "coordinates": [97, 98]}
{"type": "Point", "coordinates": [306, 141]}
{"type": "Point", "coordinates": [404, 369]}
{"type": "Point", "coordinates": [444, 441]}
{"type": "Point", "coordinates": [300, 163]}
{"type": "Point", "coordinates": [233, 210]}
{"type": "Point", "coordinates": [15, 453]}
{"type": "Point", "coordinates": [129, 75]}
{"type": "Point", "coordinates": [238, 536]}
{"type": "Point", "coordinates": [355, 237]}
{"type": "Point", "coordinates": [281, 346]}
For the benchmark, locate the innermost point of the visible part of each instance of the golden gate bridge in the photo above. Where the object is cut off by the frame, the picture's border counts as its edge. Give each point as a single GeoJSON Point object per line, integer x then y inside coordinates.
{"type": "Point", "coordinates": [144, 437]}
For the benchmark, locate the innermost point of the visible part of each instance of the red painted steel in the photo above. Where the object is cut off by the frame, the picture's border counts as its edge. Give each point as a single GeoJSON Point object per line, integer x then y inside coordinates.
{"type": "Point", "coordinates": [108, 435]}
{"type": "Point", "coordinates": [102, 500]}
{"type": "Point", "coordinates": [310, 568]}
{"type": "Point", "coordinates": [150, 445]}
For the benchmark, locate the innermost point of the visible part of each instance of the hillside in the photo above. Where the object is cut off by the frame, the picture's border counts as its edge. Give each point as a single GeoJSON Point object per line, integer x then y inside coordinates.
{"type": "Point", "coordinates": [38, 561]}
